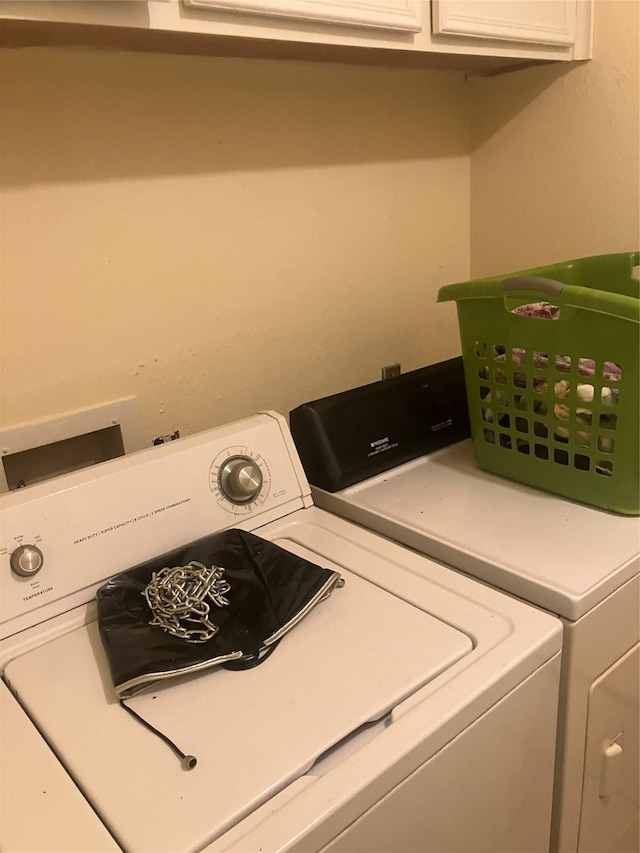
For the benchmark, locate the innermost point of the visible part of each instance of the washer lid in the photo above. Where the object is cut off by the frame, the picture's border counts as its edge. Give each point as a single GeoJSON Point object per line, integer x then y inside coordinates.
{"type": "Point", "coordinates": [549, 551]}
{"type": "Point", "coordinates": [350, 661]}
{"type": "Point", "coordinates": [38, 797]}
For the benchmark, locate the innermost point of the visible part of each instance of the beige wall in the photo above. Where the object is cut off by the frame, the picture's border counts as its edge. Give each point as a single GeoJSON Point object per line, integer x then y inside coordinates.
{"type": "Point", "coordinates": [218, 236]}
{"type": "Point", "coordinates": [555, 155]}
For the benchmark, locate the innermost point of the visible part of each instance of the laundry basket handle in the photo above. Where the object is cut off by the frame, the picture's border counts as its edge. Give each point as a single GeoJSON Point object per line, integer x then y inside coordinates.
{"type": "Point", "coordinates": [548, 286]}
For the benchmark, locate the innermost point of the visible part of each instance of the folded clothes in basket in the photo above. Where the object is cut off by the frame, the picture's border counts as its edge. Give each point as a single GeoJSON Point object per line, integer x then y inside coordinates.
{"type": "Point", "coordinates": [540, 360]}
{"type": "Point", "coordinates": [541, 310]}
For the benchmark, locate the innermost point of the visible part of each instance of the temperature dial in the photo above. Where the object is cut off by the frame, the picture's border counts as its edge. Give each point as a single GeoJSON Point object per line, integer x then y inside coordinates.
{"type": "Point", "coordinates": [26, 561]}
{"type": "Point", "coordinates": [240, 479]}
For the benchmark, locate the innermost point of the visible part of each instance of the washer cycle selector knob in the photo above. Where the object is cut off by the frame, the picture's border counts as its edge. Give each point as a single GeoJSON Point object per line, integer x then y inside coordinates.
{"type": "Point", "coordinates": [26, 561]}
{"type": "Point", "coordinates": [240, 479]}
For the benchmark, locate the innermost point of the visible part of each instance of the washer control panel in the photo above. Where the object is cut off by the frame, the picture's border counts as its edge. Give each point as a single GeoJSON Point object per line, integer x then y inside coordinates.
{"type": "Point", "coordinates": [71, 533]}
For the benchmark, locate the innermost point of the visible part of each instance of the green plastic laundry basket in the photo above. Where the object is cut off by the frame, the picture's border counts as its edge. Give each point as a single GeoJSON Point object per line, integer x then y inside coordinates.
{"type": "Point", "coordinates": [551, 361]}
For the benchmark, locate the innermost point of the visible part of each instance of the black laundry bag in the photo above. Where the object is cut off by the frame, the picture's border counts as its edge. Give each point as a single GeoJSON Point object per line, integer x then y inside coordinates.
{"type": "Point", "coordinates": [257, 592]}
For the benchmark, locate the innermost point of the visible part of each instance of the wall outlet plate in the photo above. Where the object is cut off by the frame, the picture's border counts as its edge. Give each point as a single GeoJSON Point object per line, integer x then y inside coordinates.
{"type": "Point", "coordinates": [390, 370]}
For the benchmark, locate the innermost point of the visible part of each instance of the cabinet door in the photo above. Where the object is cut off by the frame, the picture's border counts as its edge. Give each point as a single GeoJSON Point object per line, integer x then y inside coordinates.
{"type": "Point", "coordinates": [609, 819]}
{"type": "Point", "coordinates": [403, 15]}
{"type": "Point", "coordinates": [548, 22]}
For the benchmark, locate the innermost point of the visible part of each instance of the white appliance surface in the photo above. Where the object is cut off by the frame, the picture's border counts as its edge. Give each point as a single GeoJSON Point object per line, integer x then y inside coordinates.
{"type": "Point", "coordinates": [36, 811]}
{"type": "Point", "coordinates": [557, 554]}
{"type": "Point", "coordinates": [576, 561]}
{"type": "Point", "coordinates": [316, 675]}
{"type": "Point", "coordinates": [404, 660]}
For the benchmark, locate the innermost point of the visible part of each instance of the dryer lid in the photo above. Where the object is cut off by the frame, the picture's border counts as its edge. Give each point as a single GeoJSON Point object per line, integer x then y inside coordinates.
{"type": "Point", "coordinates": [552, 552]}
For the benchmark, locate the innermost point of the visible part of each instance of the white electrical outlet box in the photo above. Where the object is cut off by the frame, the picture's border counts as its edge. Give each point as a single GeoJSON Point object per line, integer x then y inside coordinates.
{"type": "Point", "coordinates": [39, 450]}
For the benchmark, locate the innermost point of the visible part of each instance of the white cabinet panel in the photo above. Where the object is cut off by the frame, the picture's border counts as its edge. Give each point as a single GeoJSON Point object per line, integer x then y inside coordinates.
{"type": "Point", "coordinates": [610, 793]}
{"type": "Point", "coordinates": [384, 14]}
{"type": "Point", "coordinates": [532, 21]}
{"type": "Point", "coordinates": [473, 35]}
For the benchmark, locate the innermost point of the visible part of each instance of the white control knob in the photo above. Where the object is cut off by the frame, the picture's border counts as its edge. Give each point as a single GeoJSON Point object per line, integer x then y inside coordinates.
{"type": "Point", "coordinates": [26, 561]}
{"type": "Point", "coordinates": [240, 479]}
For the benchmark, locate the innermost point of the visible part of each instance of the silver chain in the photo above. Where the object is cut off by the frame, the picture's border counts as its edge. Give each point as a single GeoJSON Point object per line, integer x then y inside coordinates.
{"type": "Point", "coordinates": [178, 600]}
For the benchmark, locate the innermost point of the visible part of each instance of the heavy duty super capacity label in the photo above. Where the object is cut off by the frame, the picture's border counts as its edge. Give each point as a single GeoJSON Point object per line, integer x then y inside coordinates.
{"type": "Point", "coordinates": [114, 527]}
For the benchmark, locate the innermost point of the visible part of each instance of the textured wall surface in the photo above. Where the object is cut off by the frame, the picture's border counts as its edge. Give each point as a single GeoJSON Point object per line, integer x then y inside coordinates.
{"type": "Point", "coordinates": [555, 155]}
{"type": "Point", "coordinates": [217, 236]}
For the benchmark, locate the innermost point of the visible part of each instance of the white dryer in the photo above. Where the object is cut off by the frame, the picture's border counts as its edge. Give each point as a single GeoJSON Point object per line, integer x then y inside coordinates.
{"type": "Point", "coordinates": [393, 457]}
{"type": "Point", "coordinates": [413, 709]}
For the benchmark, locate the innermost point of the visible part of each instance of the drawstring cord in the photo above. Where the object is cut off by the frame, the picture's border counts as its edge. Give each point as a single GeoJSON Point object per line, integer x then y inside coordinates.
{"type": "Point", "coordinates": [187, 761]}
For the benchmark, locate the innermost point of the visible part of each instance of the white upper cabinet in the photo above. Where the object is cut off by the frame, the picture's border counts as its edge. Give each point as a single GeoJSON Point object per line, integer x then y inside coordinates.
{"type": "Point", "coordinates": [403, 15]}
{"type": "Point", "coordinates": [482, 35]}
{"type": "Point", "coordinates": [531, 21]}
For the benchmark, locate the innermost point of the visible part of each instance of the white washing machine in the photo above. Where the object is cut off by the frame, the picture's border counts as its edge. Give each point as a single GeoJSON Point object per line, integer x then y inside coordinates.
{"type": "Point", "coordinates": [368, 455]}
{"type": "Point", "coordinates": [413, 709]}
